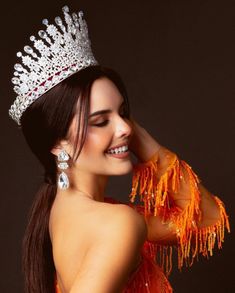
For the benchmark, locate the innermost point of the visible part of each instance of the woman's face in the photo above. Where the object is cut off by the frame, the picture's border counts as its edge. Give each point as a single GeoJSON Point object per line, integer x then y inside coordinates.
{"type": "Point", "coordinates": [105, 130]}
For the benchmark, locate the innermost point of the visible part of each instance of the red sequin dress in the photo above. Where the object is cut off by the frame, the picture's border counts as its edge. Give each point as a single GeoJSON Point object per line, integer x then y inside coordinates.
{"type": "Point", "coordinates": [156, 195]}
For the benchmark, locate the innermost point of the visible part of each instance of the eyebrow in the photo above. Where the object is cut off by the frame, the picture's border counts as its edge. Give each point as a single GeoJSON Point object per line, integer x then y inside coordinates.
{"type": "Point", "coordinates": [103, 111]}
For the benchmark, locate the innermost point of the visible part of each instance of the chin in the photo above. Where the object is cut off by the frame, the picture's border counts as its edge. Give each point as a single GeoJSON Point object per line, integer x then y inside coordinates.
{"type": "Point", "coordinates": [125, 170]}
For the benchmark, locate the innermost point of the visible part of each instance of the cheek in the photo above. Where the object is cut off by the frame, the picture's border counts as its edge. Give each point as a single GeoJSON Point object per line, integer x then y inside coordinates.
{"type": "Point", "coordinates": [96, 141]}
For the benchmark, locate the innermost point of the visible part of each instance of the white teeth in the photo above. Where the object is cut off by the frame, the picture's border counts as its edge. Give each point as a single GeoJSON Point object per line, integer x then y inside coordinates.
{"type": "Point", "coordinates": [118, 150]}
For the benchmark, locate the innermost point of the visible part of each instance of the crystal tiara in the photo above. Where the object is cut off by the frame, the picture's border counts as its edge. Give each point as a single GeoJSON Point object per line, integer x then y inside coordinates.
{"type": "Point", "coordinates": [61, 51]}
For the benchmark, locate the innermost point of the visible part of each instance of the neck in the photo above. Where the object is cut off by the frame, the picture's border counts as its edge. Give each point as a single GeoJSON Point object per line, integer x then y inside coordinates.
{"type": "Point", "coordinates": [87, 184]}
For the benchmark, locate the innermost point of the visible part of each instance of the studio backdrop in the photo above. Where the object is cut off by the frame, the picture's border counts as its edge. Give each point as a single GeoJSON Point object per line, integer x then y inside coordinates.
{"type": "Point", "coordinates": [177, 61]}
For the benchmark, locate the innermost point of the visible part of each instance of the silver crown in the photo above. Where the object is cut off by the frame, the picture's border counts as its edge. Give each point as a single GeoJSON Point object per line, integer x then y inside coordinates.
{"type": "Point", "coordinates": [62, 50]}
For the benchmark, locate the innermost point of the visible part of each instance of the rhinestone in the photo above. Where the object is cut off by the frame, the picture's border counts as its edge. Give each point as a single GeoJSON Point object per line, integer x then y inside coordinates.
{"type": "Point", "coordinates": [45, 21]}
{"type": "Point", "coordinates": [44, 75]}
{"type": "Point", "coordinates": [63, 181]}
{"type": "Point", "coordinates": [55, 79]}
{"type": "Point", "coordinates": [58, 21]}
{"type": "Point", "coordinates": [23, 88]}
{"type": "Point", "coordinates": [65, 9]}
{"type": "Point", "coordinates": [40, 89]}
{"type": "Point", "coordinates": [42, 34]}
{"type": "Point", "coordinates": [63, 28]}
{"type": "Point", "coordinates": [19, 54]}
{"type": "Point", "coordinates": [63, 165]}
{"type": "Point", "coordinates": [47, 83]}
{"type": "Point", "coordinates": [18, 67]}
{"type": "Point", "coordinates": [65, 73]}
{"type": "Point", "coordinates": [33, 76]}
{"type": "Point", "coordinates": [74, 30]}
{"type": "Point", "coordinates": [68, 19]}
{"type": "Point", "coordinates": [52, 30]}
{"type": "Point", "coordinates": [32, 38]}
{"type": "Point", "coordinates": [75, 17]}
{"type": "Point", "coordinates": [34, 55]}
{"type": "Point", "coordinates": [80, 13]}
{"type": "Point", "coordinates": [23, 77]}
{"type": "Point", "coordinates": [33, 95]}
{"type": "Point", "coordinates": [17, 89]}
{"type": "Point", "coordinates": [178, 232]}
{"type": "Point", "coordinates": [73, 69]}
{"type": "Point", "coordinates": [15, 80]}
{"type": "Point", "coordinates": [63, 156]}
{"type": "Point", "coordinates": [28, 49]}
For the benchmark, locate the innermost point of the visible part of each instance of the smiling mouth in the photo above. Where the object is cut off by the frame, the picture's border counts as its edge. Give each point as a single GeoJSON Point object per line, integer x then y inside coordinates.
{"type": "Point", "coordinates": [121, 155]}
{"type": "Point", "coordinates": [118, 150]}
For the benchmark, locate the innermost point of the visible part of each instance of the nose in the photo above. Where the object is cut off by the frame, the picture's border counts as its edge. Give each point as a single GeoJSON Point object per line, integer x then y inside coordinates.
{"type": "Point", "coordinates": [124, 128]}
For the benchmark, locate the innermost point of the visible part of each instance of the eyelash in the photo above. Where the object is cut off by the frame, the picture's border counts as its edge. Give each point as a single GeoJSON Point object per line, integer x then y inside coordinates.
{"type": "Point", "coordinates": [106, 121]}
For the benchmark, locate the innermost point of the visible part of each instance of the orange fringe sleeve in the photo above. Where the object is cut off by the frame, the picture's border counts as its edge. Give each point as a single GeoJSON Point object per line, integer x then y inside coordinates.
{"type": "Point", "coordinates": [155, 194]}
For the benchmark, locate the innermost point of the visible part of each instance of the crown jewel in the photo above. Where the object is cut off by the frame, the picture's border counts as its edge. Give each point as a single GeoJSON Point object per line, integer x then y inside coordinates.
{"type": "Point", "coordinates": [61, 50]}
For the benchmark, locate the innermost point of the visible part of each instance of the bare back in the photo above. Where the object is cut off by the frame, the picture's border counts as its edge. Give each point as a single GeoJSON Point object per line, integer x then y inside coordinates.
{"type": "Point", "coordinates": [75, 225]}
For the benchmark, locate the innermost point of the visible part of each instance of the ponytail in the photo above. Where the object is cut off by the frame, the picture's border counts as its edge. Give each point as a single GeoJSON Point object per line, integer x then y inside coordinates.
{"type": "Point", "coordinates": [37, 258]}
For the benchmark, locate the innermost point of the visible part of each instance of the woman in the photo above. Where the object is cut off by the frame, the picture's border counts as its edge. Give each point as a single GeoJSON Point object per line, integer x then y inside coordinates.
{"type": "Point", "coordinates": [76, 119]}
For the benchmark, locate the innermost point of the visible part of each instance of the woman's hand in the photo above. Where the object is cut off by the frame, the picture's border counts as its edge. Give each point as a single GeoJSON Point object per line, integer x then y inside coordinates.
{"type": "Point", "coordinates": [142, 144]}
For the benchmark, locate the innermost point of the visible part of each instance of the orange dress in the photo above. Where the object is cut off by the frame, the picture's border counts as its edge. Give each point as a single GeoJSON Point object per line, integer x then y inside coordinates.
{"type": "Point", "coordinates": [156, 195]}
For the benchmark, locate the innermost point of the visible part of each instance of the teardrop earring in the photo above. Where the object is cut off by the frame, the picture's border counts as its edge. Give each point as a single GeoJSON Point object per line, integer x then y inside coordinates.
{"type": "Point", "coordinates": [63, 180]}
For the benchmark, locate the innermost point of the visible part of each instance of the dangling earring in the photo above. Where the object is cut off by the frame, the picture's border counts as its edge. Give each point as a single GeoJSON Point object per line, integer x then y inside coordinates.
{"type": "Point", "coordinates": [63, 180]}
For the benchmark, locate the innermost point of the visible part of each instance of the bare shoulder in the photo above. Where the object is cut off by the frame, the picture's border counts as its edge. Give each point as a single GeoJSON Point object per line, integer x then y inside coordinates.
{"type": "Point", "coordinates": [93, 218]}
{"type": "Point", "coordinates": [93, 232]}
{"type": "Point", "coordinates": [120, 218]}
{"type": "Point", "coordinates": [112, 253]}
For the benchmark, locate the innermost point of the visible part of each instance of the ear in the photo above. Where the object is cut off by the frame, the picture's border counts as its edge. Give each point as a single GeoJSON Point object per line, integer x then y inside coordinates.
{"type": "Point", "coordinates": [62, 145]}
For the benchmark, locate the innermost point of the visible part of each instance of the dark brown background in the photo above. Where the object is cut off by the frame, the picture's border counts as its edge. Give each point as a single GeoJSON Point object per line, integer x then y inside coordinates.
{"type": "Point", "coordinates": [177, 60]}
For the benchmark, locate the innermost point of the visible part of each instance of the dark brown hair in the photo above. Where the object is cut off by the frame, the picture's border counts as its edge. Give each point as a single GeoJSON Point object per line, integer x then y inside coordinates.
{"type": "Point", "coordinates": [45, 123]}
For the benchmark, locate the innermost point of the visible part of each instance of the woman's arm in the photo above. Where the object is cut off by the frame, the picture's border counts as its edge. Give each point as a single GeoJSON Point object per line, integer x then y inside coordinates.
{"type": "Point", "coordinates": [144, 146]}
{"type": "Point", "coordinates": [178, 209]}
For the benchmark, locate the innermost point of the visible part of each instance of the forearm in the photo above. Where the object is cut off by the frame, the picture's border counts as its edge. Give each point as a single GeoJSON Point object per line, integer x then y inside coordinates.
{"type": "Point", "coordinates": [177, 207]}
{"type": "Point", "coordinates": [145, 147]}
{"type": "Point", "coordinates": [209, 208]}
{"type": "Point", "coordinates": [165, 233]}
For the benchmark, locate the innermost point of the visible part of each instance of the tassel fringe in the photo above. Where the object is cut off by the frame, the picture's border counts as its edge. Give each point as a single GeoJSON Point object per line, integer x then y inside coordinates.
{"type": "Point", "coordinates": [155, 194]}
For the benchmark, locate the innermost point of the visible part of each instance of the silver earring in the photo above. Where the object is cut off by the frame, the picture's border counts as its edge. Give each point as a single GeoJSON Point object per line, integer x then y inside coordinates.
{"type": "Point", "coordinates": [63, 180]}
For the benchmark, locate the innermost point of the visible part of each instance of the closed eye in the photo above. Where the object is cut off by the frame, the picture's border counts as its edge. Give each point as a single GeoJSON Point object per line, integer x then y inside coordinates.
{"type": "Point", "coordinates": [102, 123]}
{"type": "Point", "coordinates": [105, 122]}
